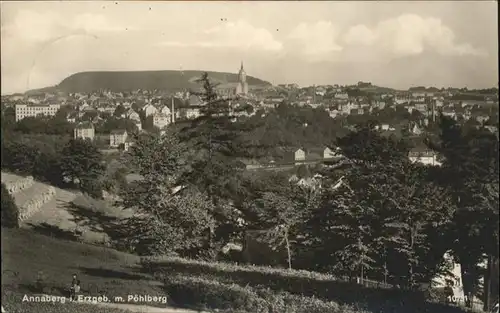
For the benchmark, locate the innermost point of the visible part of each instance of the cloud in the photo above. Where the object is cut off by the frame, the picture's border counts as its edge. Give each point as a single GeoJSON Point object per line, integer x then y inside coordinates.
{"type": "Point", "coordinates": [315, 39]}
{"type": "Point", "coordinates": [35, 26]}
{"type": "Point", "coordinates": [409, 34]}
{"type": "Point", "coordinates": [97, 23]}
{"type": "Point", "coordinates": [239, 34]}
{"type": "Point", "coordinates": [32, 26]}
{"type": "Point", "coordinates": [360, 35]}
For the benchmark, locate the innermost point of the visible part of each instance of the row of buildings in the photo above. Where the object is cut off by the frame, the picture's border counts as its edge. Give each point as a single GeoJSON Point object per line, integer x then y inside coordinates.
{"type": "Point", "coordinates": [117, 138]}
{"type": "Point", "coordinates": [312, 155]}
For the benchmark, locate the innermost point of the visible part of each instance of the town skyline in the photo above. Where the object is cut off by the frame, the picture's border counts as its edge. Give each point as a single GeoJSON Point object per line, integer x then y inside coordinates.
{"type": "Point", "coordinates": [424, 44]}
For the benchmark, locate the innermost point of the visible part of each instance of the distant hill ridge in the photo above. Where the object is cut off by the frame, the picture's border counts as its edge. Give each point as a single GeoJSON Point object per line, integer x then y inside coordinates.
{"type": "Point", "coordinates": [147, 80]}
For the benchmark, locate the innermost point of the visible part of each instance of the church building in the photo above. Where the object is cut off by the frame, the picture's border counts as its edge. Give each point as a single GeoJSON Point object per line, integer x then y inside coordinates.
{"type": "Point", "coordinates": [238, 88]}
{"type": "Point", "coordinates": [242, 87]}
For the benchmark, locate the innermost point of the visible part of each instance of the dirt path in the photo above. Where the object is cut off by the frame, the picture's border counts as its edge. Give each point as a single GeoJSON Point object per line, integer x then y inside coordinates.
{"type": "Point", "coordinates": [55, 211]}
{"type": "Point", "coordinates": [59, 217]}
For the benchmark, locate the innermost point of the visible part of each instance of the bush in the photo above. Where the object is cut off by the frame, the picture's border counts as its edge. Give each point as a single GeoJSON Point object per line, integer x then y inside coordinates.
{"type": "Point", "coordinates": [36, 155]}
{"type": "Point", "coordinates": [202, 293]}
{"type": "Point", "coordinates": [206, 293]}
{"type": "Point", "coordinates": [93, 188]}
{"type": "Point", "coordinates": [10, 211]}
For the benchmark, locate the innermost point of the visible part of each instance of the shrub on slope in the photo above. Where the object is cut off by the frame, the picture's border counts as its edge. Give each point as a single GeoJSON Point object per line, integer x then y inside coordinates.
{"type": "Point", "coordinates": [238, 288]}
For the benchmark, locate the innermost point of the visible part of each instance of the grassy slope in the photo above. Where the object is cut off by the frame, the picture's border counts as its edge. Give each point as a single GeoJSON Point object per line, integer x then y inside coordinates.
{"type": "Point", "coordinates": [67, 211]}
{"type": "Point", "coordinates": [298, 288]}
{"type": "Point", "coordinates": [27, 256]}
{"type": "Point", "coordinates": [149, 80]}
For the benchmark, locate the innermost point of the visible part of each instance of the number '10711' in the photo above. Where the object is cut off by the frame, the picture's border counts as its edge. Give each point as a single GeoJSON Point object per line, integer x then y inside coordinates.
{"type": "Point", "coordinates": [457, 299]}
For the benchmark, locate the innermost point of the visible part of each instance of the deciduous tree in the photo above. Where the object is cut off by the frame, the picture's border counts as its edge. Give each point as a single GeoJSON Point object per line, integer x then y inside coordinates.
{"type": "Point", "coordinates": [171, 217]}
{"type": "Point", "coordinates": [82, 162]}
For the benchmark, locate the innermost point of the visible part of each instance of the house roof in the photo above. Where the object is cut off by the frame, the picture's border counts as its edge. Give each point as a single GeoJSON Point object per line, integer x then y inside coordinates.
{"type": "Point", "coordinates": [85, 125]}
{"type": "Point", "coordinates": [160, 115]}
{"type": "Point", "coordinates": [194, 100]}
{"type": "Point", "coordinates": [421, 152]}
{"type": "Point", "coordinates": [118, 131]}
{"type": "Point", "coordinates": [314, 155]}
{"type": "Point", "coordinates": [165, 109]}
{"type": "Point", "coordinates": [491, 128]}
{"type": "Point", "coordinates": [317, 150]}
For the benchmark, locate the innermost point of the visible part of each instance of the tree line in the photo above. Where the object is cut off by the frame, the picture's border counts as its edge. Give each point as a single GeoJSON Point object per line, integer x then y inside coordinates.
{"type": "Point", "coordinates": [60, 161]}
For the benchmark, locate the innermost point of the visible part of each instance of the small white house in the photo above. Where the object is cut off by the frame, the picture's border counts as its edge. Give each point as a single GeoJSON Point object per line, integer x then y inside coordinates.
{"type": "Point", "coordinates": [401, 99]}
{"type": "Point", "coordinates": [192, 113]}
{"type": "Point", "coordinates": [117, 137]}
{"type": "Point", "coordinates": [328, 153]}
{"type": "Point", "coordinates": [424, 156]}
{"type": "Point", "coordinates": [149, 110]}
{"type": "Point", "coordinates": [84, 130]}
{"type": "Point", "coordinates": [333, 113]}
{"type": "Point", "coordinates": [415, 129]}
{"type": "Point", "coordinates": [132, 115]}
{"type": "Point", "coordinates": [342, 95]}
{"type": "Point", "coordinates": [85, 106]}
{"type": "Point", "coordinates": [127, 144]}
{"type": "Point", "coordinates": [165, 110]}
{"type": "Point", "coordinates": [482, 118]}
{"type": "Point", "coordinates": [299, 155]}
{"type": "Point", "coordinates": [161, 120]}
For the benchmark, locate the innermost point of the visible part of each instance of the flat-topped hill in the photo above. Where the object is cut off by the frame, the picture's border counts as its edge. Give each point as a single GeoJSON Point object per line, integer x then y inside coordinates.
{"type": "Point", "coordinates": [146, 80]}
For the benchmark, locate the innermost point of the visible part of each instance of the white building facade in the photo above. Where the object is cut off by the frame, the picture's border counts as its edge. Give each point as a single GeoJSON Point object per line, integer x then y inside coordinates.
{"type": "Point", "coordinates": [161, 120]}
{"type": "Point", "coordinates": [29, 110]}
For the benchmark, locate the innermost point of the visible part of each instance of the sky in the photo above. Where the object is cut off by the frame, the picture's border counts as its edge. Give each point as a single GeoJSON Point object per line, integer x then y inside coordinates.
{"type": "Point", "coordinates": [393, 44]}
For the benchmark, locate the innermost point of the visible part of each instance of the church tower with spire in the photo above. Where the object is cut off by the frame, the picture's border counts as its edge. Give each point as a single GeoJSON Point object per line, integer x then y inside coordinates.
{"type": "Point", "coordinates": [242, 87]}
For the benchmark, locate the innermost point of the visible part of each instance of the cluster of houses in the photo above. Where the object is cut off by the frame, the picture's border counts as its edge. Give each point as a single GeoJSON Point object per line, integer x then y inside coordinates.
{"type": "Point", "coordinates": [429, 107]}
{"type": "Point", "coordinates": [336, 100]}
{"type": "Point", "coordinates": [117, 138]}
{"type": "Point", "coordinates": [302, 155]}
{"type": "Point", "coordinates": [341, 101]}
{"type": "Point", "coordinates": [313, 155]}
